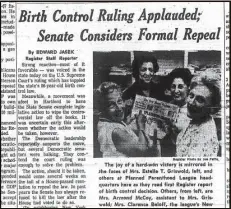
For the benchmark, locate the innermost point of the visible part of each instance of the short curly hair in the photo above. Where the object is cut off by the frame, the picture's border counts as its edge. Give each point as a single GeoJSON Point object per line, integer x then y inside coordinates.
{"type": "Point", "coordinates": [212, 81]}
{"type": "Point", "coordinates": [139, 60]}
{"type": "Point", "coordinates": [101, 92]}
{"type": "Point", "coordinates": [183, 73]}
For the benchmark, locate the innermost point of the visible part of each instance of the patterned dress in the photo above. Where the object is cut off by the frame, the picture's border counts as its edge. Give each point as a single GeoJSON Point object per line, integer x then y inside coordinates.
{"type": "Point", "coordinates": [198, 140]}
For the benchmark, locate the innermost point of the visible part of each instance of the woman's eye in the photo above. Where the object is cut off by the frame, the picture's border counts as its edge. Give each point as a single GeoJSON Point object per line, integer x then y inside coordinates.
{"type": "Point", "coordinates": [180, 86]}
{"type": "Point", "coordinates": [200, 100]}
{"type": "Point", "coordinates": [120, 101]}
{"type": "Point", "coordinates": [173, 87]}
{"type": "Point", "coordinates": [151, 70]}
{"type": "Point", "coordinates": [191, 95]}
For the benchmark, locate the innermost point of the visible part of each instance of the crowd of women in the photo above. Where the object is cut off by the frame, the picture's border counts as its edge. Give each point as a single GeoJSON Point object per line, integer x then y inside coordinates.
{"type": "Point", "coordinates": [192, 134]}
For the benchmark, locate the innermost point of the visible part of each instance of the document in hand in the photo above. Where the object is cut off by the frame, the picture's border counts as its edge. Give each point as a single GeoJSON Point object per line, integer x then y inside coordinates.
{"type": "Point", "coordinates": [154, 108]}
{"type": "Point", "coordinates": [157, 113]}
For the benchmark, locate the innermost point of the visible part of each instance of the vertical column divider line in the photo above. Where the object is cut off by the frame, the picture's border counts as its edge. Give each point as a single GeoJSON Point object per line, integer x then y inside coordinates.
{"type": "Point", "coordinates": [224, 14]}
{"type": "Point", "coordinates": [16, 39]}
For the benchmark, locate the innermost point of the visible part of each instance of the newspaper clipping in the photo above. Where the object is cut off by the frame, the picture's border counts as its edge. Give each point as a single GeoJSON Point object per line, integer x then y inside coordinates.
{"type": "Point", "coordinates": [120, 104]}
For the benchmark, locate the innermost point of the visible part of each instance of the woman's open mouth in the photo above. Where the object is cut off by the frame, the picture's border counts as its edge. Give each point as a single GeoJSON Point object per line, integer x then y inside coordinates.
{"type": "Point", "coordinates": [177, 96]}
{"type": "Point", "coordinates": [147, 79]}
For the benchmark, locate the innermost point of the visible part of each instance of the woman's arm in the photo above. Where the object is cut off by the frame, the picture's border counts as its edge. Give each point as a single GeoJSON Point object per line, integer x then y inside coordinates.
{"type": "Point", "coordinates": [130, 144]}
{"type": "Point", "coordinates": [133, 146]}
{"type": "Point", "coordinates": [126, 144]}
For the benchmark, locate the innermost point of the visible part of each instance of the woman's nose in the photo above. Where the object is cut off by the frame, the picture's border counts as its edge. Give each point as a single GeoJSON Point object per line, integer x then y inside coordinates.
{"type": "Point", "coordinates": [119, 106]}
{"type": "Point", "coordinates": [147, 72]}
{"type": "Point", "coordinates": [191, 101]}
{"type": "Point", "coordinates": [177, 89]}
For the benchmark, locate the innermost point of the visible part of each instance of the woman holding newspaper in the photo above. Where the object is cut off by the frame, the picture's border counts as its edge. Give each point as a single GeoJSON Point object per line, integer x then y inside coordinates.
{"type": "Point", "coordinates": [116, 139]}
{"type": "Point", "coordinates": [199, 138]}
{"type": "Point", "coordinates": [144, 69]}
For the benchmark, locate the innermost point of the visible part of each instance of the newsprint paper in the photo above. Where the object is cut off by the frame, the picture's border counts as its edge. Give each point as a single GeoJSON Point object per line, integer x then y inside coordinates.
{"type": "Point", "coordinates": [115, 105]}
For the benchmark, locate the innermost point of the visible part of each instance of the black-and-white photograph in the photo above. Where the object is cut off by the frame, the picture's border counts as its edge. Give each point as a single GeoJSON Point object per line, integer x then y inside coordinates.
{"type": "Point", "coordinates": [115, 104]}
{"type": "Point", "coordinates": [157, 104]}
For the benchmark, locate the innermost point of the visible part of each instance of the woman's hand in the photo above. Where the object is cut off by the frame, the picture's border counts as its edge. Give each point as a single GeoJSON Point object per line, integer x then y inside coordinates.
{"type": "Point", "coordinates": [129, 119]}
{"type": "Point", "coordinates": [129, 102]}
{"type": "Point", "coordinates": [140, 121]}
{"type": "Point", "coordinates": [170, 127]}
{"type": "Point", "coordinates": [156, 144]}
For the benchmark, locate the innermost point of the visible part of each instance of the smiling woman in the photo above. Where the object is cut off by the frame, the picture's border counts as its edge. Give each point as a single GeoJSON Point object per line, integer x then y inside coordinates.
{"type": "Point", "coordinates": [178, 81]}
{"type": "Point", "coordinates": [199, 139]}
{"type": "Point", "coordinates": [144, 68]}
{"type": "Point", "coordinates": [115, 138]}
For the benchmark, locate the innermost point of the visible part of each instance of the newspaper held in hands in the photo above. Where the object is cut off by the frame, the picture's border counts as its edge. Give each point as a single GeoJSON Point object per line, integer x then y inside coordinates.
{"type": "Point", "coordinates": [158, 114]}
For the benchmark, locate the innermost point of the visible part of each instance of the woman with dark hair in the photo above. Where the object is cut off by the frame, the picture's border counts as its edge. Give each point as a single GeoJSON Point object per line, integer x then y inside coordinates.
{"type": "Point", "coordinates": [144, 68]}
{"type": "Point", "coordinates": [179, 80]}
{"type": "Point", "coordinates": [199, 138]}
